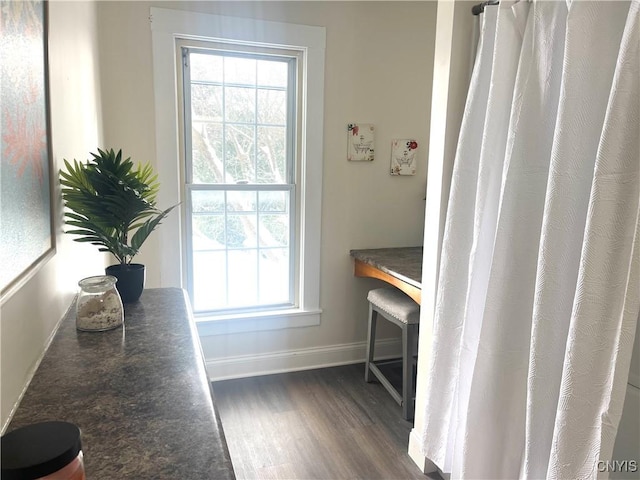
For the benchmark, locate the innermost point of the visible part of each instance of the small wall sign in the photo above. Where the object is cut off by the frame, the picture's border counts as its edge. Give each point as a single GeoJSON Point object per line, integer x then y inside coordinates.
{"type": "Point", "coordinates": [403, 156]}
{"type": "Point", "coordinates": [360, 142]}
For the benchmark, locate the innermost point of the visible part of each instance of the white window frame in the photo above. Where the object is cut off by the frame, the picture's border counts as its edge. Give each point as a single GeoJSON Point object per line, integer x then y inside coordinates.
{"type": "Point", "coordinates": [166, 27]}
{"type": "Point", "coordinates": [292, 59]}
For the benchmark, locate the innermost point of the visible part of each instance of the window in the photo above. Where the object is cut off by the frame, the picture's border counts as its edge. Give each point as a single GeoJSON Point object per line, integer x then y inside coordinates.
{"type": "Point", "coordinates": [240, 162]}
{"type": "Point", "coordinates": [246, 214]}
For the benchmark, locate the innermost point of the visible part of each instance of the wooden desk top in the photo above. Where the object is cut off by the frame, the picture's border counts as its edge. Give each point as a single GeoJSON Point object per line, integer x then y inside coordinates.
{"type": "Point", "coordinates": [400, 267]}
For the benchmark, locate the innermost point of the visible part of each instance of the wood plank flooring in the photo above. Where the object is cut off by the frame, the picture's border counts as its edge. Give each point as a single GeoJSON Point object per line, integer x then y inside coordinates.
{"type": "Point", "coordinates": [315, 424]}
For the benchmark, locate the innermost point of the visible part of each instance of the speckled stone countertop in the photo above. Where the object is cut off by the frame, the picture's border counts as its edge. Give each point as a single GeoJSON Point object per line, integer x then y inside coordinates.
{"type": "Point", "coordinates": [404, 263]}
{"type": "Point", "coordinates": [139, 394]}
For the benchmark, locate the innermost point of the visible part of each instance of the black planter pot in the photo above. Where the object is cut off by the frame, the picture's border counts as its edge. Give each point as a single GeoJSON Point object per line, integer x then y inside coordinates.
{"type": "Point", "coordinates": [130, 280]}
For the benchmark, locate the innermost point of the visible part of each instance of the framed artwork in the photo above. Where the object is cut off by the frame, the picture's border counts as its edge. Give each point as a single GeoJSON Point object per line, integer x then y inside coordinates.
{"type": "Point", "coordinates": [403, 156]}
{"type": "Point", "coordinates": [26, 229]}
{"type": "Point", "coordinates": [360, 142]}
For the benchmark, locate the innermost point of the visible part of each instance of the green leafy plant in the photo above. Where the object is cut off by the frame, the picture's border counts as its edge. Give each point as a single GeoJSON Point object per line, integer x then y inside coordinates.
{"type": "Point", "coordinates": [111, 203]}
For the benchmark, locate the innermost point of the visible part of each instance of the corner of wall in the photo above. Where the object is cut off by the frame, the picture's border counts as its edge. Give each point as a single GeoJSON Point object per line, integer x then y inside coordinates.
{"type": "Point", "coordinates": [454, 31]}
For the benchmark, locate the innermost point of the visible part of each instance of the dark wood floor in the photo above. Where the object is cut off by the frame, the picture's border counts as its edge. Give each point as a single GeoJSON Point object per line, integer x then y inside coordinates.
{"type": "Point", "coordinates": [316, 424]}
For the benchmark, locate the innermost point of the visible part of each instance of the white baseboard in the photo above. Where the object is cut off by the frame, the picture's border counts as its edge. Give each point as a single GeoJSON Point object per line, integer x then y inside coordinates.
{"type": "Point", "coordinates": [424, 464]}
{"type": "Point", "coordinates": [300, 359]}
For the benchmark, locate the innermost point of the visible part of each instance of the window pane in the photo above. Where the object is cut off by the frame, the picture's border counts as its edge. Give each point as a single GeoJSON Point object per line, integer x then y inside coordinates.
{"type": "Point", "coordinates": [241, 220]}
{"type": "Point", "coordinates": [206, 102]}
{"type": "Point", "coordinates": [208, 232]}
{"type": "Point", "coordinates": [234, 231]}
{"type": "Point", "coordinates": [206, 67]}
{"type": "Point", "coordinates": [240, 70]}
{"type": "Point", "coordinates": [241, 231]}
{"type": "Point", "coordinates": [272, 107]}
{"type": "Point", "coordinates": [242, 277]}
{"type": "Point", "coordinates": [207, 202]}
{"type": "Point", "coordinates": [273, 202]}
{"type": "Point", "coordinates": [274, 230]}
{"type": "Point", "coordinates": [209, 280]}
{"type": "Point", "coordinates": [240, 104]}
{"type": "Point", "coordinates": [274, 275]}
{"type": "Point", "coordinates": [241, 201]}
{"type": "Point", "coordinates": [207, 153]}
{"type": "Point", "coordinates": [271, 158]}
{"type": "Point", "coordinates": [239, 160]}
{"type": "Point", "coordinates": [272, 74]}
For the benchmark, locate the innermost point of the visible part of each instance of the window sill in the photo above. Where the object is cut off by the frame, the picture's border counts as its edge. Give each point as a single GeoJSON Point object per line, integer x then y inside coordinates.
{"type": "Point", "coordinates": [257, 321]}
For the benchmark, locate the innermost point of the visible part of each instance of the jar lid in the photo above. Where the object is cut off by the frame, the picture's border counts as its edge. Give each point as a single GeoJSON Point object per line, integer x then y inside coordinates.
{"type": "Point", "coordinates": [97, 284]}
{"type": "Point", "coordinates": [38, 450]}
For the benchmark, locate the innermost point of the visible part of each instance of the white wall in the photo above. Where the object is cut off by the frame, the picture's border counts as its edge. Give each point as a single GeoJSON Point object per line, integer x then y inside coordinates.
{"type": "Point", "coordinates": [379, 62]}
{"type": "Point", "coordinates": [30, 316]}
{"type": "Point", "coordinates": [452, 72]}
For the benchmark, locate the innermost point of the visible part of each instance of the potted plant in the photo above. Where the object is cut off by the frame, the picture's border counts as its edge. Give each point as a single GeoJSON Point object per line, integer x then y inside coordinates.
{"type": "Point", "coordinates": [112, 203]}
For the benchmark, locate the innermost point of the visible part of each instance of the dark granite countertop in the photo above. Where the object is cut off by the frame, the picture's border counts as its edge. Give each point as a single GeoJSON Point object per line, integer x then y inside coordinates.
{"type": "Point", "coordinates": [139, 394]}
{"type": "Point", "coordinates": [404, 263]}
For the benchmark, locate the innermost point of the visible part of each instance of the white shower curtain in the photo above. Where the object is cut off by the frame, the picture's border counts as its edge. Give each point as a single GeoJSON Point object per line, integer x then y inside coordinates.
{"type": "Point", "coordinates": [539, 287]}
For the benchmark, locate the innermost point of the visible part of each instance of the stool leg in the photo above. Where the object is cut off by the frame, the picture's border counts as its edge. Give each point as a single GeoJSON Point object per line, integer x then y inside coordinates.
{"type": "Point", "coordinates": [409, 336]}
{"type": "Point", "coordinates": [406, 373]}
{"type": "Point", "coordinates": [371, 340]}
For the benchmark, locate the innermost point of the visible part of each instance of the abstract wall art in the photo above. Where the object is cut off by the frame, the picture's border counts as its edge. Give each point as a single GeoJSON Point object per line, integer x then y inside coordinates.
{"type": "Point", "coordinates": [26, 238]}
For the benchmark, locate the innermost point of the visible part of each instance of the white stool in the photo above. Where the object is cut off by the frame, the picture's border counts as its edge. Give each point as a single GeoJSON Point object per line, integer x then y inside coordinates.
{"type": "Point", "coordinates": [398, 308]}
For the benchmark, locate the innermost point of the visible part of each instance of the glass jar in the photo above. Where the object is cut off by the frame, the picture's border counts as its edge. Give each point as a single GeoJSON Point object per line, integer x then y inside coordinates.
{"type": "Point", "coordinates": [99, 305]}
{"type": "Point", "coordinates": [43, 451]}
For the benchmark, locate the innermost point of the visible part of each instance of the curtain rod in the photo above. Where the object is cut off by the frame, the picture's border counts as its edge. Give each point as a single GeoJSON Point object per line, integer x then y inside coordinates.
{"type": "Point", "coordinates": [479, 8]}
